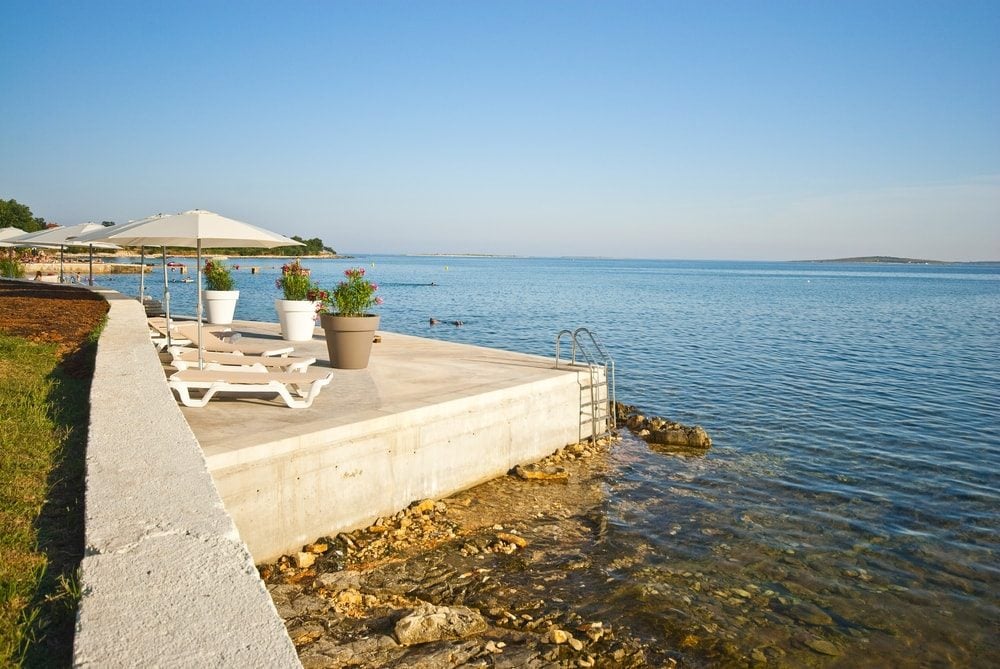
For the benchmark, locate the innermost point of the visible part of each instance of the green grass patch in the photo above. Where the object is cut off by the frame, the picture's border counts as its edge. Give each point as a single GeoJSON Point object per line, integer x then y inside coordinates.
{"type": "Point", "coordinates": [44, 409]}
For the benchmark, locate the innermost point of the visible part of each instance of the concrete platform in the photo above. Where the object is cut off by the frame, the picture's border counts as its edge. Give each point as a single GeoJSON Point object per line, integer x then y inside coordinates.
{"type": "Point", "coordinates": [425, 419]}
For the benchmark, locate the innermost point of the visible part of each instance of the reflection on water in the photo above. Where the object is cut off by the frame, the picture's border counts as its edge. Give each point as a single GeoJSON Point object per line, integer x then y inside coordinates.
{"type": "Point", "coordinates": [848, 511]}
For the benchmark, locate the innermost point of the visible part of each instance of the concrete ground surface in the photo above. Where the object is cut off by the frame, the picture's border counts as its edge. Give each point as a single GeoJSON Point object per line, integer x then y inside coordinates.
{"type": "Point", "coordinates": [425, 419]}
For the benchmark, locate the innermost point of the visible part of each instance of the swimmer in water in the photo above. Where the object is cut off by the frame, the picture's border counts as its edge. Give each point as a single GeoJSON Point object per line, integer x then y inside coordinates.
{"type": "Point", "coordinates": [434, 321]}
{"type": "Point", "coordinates": [457, 323]}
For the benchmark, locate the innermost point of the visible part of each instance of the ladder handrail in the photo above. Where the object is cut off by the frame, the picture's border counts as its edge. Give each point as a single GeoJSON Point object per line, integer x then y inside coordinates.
{"type": "Point", "coordinates": [607, 364]}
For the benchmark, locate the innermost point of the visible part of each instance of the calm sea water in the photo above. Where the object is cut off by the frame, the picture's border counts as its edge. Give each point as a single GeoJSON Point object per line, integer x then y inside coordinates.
{"type": "Point", "coordinates": [852, 495]}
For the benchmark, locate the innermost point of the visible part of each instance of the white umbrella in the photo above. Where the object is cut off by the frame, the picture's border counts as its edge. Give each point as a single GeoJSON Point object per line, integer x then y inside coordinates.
{"type": "Point", "coordinates": [197, 228]}
{"type": "Point", "coordinates": [120, 229]}
{"type": "Point", "coordinates": [61, 237]}
{"type": "Point", "coordinates": [7, 233]}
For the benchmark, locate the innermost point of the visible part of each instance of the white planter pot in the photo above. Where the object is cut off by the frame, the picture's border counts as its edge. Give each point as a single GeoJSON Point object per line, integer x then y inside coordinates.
{"type": "Point", "coordinates": [297, 319]}
{"type": "Point", "coordinates": [220, 305]}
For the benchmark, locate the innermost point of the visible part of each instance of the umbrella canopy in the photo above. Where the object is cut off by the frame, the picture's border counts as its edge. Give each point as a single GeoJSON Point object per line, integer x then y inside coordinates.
{"type": "Point", "coordinates": [196, 228]}
{"type": "Point", "coordinates": [7, 233]}
{"type": "Point", "coordinates": [62, 236]}
{"type": "Point", "coordinates": [103, 232]}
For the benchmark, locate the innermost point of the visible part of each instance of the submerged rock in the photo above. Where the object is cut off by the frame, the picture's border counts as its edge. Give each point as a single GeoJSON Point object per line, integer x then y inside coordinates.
{"type": "Point", "coordinates": [823, 647]}
{"type": "Point", "coordinates": [536, 472]}
{"type": "Point", "coordinates": [435, 623]}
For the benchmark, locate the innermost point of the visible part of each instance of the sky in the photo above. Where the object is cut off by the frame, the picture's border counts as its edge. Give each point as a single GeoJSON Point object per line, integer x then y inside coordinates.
{"type": "Point", "coordinates": [678, 130]}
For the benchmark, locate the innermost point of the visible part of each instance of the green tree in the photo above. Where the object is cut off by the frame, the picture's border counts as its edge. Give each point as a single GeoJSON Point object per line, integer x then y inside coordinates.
{"type": "Point", "coordinates": [13, 214]}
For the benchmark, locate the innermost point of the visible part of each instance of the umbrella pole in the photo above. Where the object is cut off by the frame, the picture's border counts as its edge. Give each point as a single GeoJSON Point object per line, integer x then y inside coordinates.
{"type": "Point", "coordinates": [62, 251]}
{"type": "Point", "coordinates": [142, 273]}
{"type": "Point", "coordinates": [91, 279]}
{"type": "Point", "coordinates": [166, 295]}
{"type": "Point", "coordinates": [201, 355]}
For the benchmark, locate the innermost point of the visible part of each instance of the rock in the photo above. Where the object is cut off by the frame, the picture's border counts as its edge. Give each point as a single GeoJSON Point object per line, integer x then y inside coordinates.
{"type": "Point", "coordinates": [349, 597]}
{"type": "Point", "coordinates": [694, 437]}
{"type": "Point", "coordinates": [517, 657]}
{"type": "Point", "coordinates": [535, 472]}
{"type": "Point", "coordinates": [317, 548]}
{"type": "Point", "coordinates": [306, 634]}
{"type": "Point", "coordinates": [283, 593]}
{"type": "Point", "coordinates": [823, 647]}
{"type": "Point", "coordinates": [558, 636]}
{"type": "Point", "coordinates": [305, 605]}
{"type": "Point", "coordinates": [575, 643]}
{"type": "Point", "coordinates": [587, 661]}
{"type": "Point", "coordinates": [809, 614]}
{"type": "Point", "coordinates": [335, 581]}
{"type": "Point", "coordinates": [435, 623]}
{"type": "Point", "coordinates": [423, 506]}
{"type": "Point", "coordinates": [635, 422]}
{"type": "Point", "coordinates": [518, 541]}
{"type": "Point", "coordinates": [304, 560]}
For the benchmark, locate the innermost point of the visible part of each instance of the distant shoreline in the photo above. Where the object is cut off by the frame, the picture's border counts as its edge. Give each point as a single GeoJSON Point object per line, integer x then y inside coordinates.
{"type": "Point", "coordinates": [893, 260]}
{"type": "Point", "coordinates": [889, 260]}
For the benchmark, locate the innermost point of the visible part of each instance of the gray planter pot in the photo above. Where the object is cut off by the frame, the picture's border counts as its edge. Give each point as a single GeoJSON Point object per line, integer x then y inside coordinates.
{"type": "Point", "coordinates": [349, 339]}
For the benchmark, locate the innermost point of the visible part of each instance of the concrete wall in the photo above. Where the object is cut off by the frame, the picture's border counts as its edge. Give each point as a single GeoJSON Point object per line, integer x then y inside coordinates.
{"type": "Point", "coordinates": [166, 579]}
{"type": "Point", "coordinates": [288, 494]}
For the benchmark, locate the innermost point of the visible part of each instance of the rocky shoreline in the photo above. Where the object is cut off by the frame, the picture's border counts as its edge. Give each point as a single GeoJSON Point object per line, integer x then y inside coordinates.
{"type": "Point", "coordinates": [467, 581]}
{"type": "Point", "coordinates": [485, 578]}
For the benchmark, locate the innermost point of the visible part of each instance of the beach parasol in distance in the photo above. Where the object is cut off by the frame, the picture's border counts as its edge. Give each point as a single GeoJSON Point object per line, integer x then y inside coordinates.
{"type": "Point", "coordinates": [61, 237]}
{"type": "Point", "coordinates": [198, 229]}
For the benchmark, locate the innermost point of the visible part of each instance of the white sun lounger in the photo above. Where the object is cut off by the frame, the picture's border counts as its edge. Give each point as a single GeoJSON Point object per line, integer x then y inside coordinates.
{"type": "Point", "coordinates": [306, 384]}
{"type": "Point", "coordinates": [245, 345]}
{"type": "Point", "coordinates": [187, 358]}
{"type": "Point", "coordinates": [158, 332]}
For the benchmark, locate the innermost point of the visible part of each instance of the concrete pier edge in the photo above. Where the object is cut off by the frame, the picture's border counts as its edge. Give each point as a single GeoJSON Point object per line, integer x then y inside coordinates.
{"type": "Point", "coordinates": [165, 578]}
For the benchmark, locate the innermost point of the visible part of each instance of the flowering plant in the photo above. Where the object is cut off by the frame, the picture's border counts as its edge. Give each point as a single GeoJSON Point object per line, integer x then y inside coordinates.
{"type": "Point", "coordinates": [295, 282]}
{"type": "Point", "coordinates": [353, 296]}
{"type": "Point", "coordinates": [217, 276]}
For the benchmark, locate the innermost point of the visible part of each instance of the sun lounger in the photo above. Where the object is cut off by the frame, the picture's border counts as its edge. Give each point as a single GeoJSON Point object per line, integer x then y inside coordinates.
{"type": "Point", "coordinates": [158, 332]}
{"type": "Point", "coordinates": [187, 358]}
{"type": "Point", "coordinates": [214, 343]}
{"type": "Point", "coordinates": [306, 384]}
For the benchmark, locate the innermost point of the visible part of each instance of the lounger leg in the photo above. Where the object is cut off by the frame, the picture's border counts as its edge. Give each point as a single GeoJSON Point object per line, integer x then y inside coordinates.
{"type": "Point", "coordinates": [188, 401]}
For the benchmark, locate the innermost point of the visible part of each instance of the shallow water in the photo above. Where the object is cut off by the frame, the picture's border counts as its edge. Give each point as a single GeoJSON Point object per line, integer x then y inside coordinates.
{"type": "Point", "coordinates": [854, 410]}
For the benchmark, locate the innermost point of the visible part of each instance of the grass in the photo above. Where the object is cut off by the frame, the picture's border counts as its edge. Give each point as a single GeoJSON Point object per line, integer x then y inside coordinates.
{"type": "Point", "coordinates": [44, 409]}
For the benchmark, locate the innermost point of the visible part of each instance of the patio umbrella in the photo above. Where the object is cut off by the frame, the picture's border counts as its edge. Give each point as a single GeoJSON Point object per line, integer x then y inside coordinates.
{"type": "Point", "coordinates": [61, 237]}
{"type": "Point", "coordinates": [199, 229]}
{"type": "Point", "coordinates": [95, 235]}
{"type": "Point", "coordinates": [7, 233]}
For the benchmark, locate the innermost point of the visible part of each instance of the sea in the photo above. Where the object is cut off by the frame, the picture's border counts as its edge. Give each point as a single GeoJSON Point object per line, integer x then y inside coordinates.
{"type": "Point", "coordinates": [847, 512]}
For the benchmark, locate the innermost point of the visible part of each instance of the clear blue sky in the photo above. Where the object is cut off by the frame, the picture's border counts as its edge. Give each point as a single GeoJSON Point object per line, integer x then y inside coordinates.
{"type": "Point", "coordinates": [757, 130]}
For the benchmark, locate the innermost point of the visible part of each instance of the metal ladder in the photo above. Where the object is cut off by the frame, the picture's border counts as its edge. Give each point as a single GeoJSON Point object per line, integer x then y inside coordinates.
{"type": "Point", "coordinates": [597, 399]}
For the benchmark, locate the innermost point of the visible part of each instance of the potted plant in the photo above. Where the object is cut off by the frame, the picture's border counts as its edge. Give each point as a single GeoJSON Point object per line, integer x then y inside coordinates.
{"type": "Point", "coordinates": [297, 311]}
{"type": "Point", "coordinates": [219, 294]}
{"type": "Point", "coordinates": [350, 329]}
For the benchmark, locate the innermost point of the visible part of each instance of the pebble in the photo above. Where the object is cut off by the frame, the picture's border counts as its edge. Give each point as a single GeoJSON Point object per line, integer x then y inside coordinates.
{"type": "Point", "coordinates": [823, 647]}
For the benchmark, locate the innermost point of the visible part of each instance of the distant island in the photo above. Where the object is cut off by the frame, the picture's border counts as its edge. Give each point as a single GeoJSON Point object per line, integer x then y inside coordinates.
{"type": "Point", "coordinates": [884, 260]}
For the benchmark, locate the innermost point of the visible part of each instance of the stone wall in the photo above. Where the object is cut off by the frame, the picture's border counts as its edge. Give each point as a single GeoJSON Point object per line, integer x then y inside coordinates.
{"type": "Point", "coordinates": [166, 579]}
